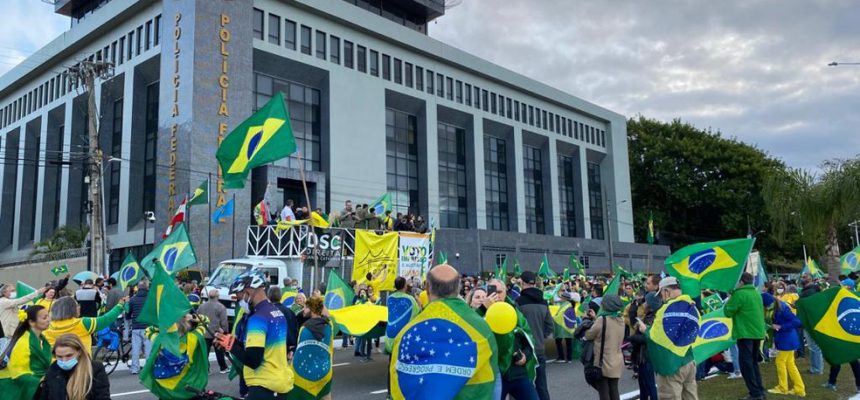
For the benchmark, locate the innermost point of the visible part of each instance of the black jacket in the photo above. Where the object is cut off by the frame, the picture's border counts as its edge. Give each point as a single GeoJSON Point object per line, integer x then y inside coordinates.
{"type": "Point", "coordinates": [809, 290]}
{"type": "Point", "coordinates": [536, 311]}
{"type": "Point", "coordinates": [292, 325]}
{"type": "Point", "coordinates": [640, 354]}
{"type": "Point", "coordinates": [317, 327]}
{"type": "Point", "coordinates": [56, 379]}
{"type": "Point", "coordinates": [135, 306]}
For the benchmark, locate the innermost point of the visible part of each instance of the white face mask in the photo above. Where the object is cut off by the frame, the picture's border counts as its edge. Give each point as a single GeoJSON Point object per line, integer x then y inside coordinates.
{"type": "Point", "coordinates": [780, 291]}
{"type": "Point", "coordinates": [243, 304]}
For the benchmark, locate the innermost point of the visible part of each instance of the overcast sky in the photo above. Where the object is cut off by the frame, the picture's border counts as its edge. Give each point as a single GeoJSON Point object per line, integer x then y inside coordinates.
{"type": "Point", "coordinates": [753, 69]}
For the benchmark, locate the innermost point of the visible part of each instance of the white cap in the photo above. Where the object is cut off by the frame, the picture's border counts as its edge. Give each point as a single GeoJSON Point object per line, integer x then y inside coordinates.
{"type": "Point", "coordinates": [668, 281]}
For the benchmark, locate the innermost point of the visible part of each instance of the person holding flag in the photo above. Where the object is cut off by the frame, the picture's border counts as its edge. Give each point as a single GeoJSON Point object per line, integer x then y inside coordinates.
{"type": "Point", "coordinates": [167, 373]}
{"type": "Point", "coordinates": [746, 309]}
{"type": "Point", "coordinates": [670, 339]}
{"type": "Point", "coordinates": [264, 353]}
{"type": "Point", "coordinates": [66, 318]}
{"type": "Point", "coordinates": [640, 357]}
{"type": "Point", "coordinates": [9, 306]}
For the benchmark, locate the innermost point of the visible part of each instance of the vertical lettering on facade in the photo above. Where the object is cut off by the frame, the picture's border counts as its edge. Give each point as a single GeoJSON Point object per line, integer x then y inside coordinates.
{"type": "Point", "coordinates": [171, 172]}
{"type": "Point", "coordinates": [223, 110]}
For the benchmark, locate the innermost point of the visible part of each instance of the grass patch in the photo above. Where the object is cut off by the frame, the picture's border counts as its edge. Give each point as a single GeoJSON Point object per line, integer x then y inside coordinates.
{"type": "Point", "coordinates": [720, 388]}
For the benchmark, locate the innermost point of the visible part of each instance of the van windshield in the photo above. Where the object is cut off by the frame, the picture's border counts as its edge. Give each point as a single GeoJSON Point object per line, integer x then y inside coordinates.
{"type": "Point", "coordinates": [226, 274]}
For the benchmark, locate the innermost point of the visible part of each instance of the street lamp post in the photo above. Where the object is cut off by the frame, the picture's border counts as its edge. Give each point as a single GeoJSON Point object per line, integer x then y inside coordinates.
{"type": "Point", "coordinates": [609, 230]}
{"type": "Point", "coordinates": [854, 225]}
{"type": "Point", "coordinates": [802, 239]}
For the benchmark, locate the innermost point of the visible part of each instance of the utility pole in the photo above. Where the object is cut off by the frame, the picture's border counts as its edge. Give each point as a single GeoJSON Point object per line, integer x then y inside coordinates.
{"type": "Point", "coordinates": [855, 225]}
{"type": "Point", "coordinates": [87, 72]}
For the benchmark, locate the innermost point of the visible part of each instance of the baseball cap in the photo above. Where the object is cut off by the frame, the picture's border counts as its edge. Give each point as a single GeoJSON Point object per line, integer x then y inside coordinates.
{"type": "Point", "coordinates": [848, 282]}
{"type": "Point", "coordinates": [528, 277]}
{"type": "Point", "coordinates": [668, 281]}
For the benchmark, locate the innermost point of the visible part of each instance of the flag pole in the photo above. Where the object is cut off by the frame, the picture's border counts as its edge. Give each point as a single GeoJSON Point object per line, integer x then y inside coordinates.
{"type": "Point", "coordinates": [233, 231]}
{"type": "Point", "coordinates": [310, 214]}
{"type": "Point", "coordinates": [209, 213]}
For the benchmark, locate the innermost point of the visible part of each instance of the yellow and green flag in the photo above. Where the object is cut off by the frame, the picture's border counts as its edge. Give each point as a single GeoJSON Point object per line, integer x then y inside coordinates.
{"type": "Point", "coordinates": [850, 261]}
{"type": "Point", "coordinates": [363, 319]}
{"type": "Point", "coordinates": [502, 271]}
{"type": "Point", "coordinates": [130, 272]}
{"type": "Point", "coordinates": [517, 269]}
{"type": "Point", "coordinates": [402, 308]}
{"type": "Point", "coordinates": [447, 352]}
{"type": "Point", "coordinates": [200, 195]}
{"type": "Point", "coordinates": [375, 255]}
{"type": "Point", "coordinates": [165, 304]}
{"type": "Point", "coordinates": [264, 137]}
{"type": "Point", "coordinates": [62, 269]}
{"type": "Point", "coordinates": [382, 204]}
{"type": "Point", "coordinates": [833, 319]}
{"type": "Point", "coordinates": [318, 220]}
{"type": "Point", "coordinates": [174, 253]}
{"type": "Point", "coordinates": [337, 293]}
{"type": "Point", "coordinates": [545, 271]}
{"type": "Point", "coordinates": [713, 265]}
{"type": "Point", "coordinates": [573, 263]}
{"type": "Point", "coordinates": [811, 267]}
{"type": "Point", "coordinates": [312, 365]}
{"type": "Point", "coordinates": [714, 336]}
{"type": "Point", "coordinates": [565, 317]}
{"type": "Point", "coordinates": [650, 234]}
{"type": "Point", "coordinates": [671, 337]}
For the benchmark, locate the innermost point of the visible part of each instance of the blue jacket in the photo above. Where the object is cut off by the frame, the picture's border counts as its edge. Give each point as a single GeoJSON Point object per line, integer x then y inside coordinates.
{"type": "Point", "coordinates": [786, 338]}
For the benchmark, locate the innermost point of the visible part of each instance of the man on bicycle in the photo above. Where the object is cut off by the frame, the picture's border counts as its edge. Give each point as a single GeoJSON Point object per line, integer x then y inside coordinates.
{"type": "Point", "coordinates": [264, 353]}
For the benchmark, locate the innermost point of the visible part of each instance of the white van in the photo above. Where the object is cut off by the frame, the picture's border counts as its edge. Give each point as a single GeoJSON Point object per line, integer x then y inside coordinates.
{"type": "Point", "coordinates": [274, 269]}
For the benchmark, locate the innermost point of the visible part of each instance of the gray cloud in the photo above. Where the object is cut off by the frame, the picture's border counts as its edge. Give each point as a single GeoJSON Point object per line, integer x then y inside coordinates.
{"type": "Point", "coordinates": [755, 70]}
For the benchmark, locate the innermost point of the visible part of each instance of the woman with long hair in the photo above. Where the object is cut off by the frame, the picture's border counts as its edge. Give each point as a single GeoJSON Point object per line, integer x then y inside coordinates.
{"type": "Point", "coordinates": [66, 318]}
{"type": "Point", "coordinates": [74, 375]}
{"type": "Point", "coordinates": [29, 356]}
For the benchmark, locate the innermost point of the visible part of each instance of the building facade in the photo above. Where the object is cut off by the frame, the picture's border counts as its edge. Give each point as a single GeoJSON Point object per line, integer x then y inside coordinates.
{"type": "Point", "coordinates": [376, 105]}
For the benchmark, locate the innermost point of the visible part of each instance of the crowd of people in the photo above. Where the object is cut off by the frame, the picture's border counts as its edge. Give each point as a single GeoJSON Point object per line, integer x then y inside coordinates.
{"type": "Point", "coordinates": [45, 350]}
{"type": "Point", "coordinates": [360, 216]}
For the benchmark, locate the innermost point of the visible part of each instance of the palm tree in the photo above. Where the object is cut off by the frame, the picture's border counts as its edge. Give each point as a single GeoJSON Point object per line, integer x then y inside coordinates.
{"type": "Point", "coordinates": [815, 204]}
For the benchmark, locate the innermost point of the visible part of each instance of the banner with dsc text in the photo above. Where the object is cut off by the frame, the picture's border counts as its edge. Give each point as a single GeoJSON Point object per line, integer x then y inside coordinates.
{"type": "Point", "coordinates": [414, 254]}
{"type": "Point", "coordinates": [375, 255]}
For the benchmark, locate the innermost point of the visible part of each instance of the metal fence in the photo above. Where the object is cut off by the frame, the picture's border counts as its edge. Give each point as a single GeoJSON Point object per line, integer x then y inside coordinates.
{"type": "Point", "coordinates": [300, 242]}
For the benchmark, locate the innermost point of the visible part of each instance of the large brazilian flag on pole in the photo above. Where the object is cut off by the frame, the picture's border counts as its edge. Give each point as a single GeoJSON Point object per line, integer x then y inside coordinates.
{"type": "Point", "coordinates": [850, 261]}
{"type": "Point", "coordinates": [264, 137]}
{"type": "Point", "coordinates": [447, 352]}
{"type": "Point", "coordinates": [174, 253]}
{"type": "Point", "coordinates": [670, 338]}
{"type": "Point", "coordinates": [713, 265]}
{"type": "Point", "coordinates": [833, 319]}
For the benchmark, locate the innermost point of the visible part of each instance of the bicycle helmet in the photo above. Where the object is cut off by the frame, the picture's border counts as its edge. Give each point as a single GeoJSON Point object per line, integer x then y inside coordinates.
{"type": "Point", "coordinates": [253, 279]}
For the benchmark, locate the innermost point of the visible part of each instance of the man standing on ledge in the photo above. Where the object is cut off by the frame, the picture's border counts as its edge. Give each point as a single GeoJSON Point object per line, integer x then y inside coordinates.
{"type": "Point", "coordinates": [746, 310]}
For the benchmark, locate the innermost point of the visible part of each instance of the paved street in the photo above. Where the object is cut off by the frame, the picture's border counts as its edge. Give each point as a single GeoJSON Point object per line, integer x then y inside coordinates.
{"type": "Point", "coordinates": [355, 380]}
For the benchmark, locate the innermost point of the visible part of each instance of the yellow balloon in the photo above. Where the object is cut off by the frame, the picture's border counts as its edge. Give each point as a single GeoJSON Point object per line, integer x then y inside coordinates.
{"type": "Point", "coordinates": [423, 300]}
{"type": "Point", "coordinates": [501, 317]}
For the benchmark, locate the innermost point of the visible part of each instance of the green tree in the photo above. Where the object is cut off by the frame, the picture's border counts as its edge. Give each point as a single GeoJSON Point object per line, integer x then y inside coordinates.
{"type": "Point", "coordinates": [820, 204]}
{"type": "Point", "coordinates": [699, 185]}
{"type": "Point", "coordinates": [64, 238]}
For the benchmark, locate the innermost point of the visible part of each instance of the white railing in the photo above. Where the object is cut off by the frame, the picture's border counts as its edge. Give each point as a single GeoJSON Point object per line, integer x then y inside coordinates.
{"type": "Point", "coordinates": [300, 241]}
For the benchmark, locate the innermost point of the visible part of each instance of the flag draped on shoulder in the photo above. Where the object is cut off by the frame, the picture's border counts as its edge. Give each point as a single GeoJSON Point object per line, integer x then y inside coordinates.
{"type": "Point", "coordinates": [338, 294]}
{"type": "Point", "coordinates": [178, 218]}
{"type": "Point", "coordinates": [566, 317]}
{"type": "Point", "coordinates": [173, 254]}
{"type": "Point", "coordinates": [165, 304]}
{"type": "Point", "coordinates": [312, 364]}
{"type": "Point", "coordinates": [264, 137]}
{"type": "Point", "coordinates": [167, 374]}
{"type": "Point", "coordinates": [130, 272]}
{"type": "Point", "coordinates": [402, 308]}
{"type": "Point", "coordinates": [200, 195]}
{"type": "Point", "coordinates": [670, 338]}
{"type": "Point", "coordinates": [713, 265]}
{"type": "Point", "coordinates": [833, 319]}
{"type": "Point", "coordinates": [447, 352]}
{"type": "Point", "coordinates": [714, 336]}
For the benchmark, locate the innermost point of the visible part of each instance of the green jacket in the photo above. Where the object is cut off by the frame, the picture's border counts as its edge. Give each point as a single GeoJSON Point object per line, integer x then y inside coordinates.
{"type": "Point", "coordinates": [746, 310]}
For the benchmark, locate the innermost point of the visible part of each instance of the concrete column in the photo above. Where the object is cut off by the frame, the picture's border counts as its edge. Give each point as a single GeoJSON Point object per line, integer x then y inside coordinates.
{"type": "Point", "coordinates": [554, 205]}
{"type": "Point", "coordinates": [432, 161]}
{"type": "Point", "coordinates": [19, 188]}
{"type": "Point", "coordinates": [519, 204]}
{"type": "Point", "coordinates": [480, 185]}
{"type": "Point", "coordinates": [615, 169]}
{"type": "Point", "coordinates": [125, 152]}
{"type": "Point", "coordinates": [584, 202]}
{"type": "Point", "coordinates": [40, 189]}
{"type": "Point", "coordinates": [66, 147]}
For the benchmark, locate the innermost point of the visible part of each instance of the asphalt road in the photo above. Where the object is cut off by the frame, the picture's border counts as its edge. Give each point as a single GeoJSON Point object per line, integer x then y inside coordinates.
{"type": "Point", "coordinates": [355, 380]}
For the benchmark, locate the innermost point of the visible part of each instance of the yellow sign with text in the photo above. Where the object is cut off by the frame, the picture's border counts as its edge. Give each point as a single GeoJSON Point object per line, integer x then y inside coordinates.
{"type": "Point", "coordinates": [375, 255]}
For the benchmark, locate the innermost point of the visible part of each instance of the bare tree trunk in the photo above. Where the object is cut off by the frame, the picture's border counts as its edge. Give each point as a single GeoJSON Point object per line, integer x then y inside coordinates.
{"type": "Point", "coordinates": [831, 254]}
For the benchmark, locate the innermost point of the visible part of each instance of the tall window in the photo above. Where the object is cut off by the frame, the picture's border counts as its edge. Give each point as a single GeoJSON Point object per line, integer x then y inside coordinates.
{"type": "Point", "coordinates": [386, 67]}
{"type": "Point", "coordinates": [496, 182]}
{"type": "Point", "coordinates": [361, 55]}
{"type": "Point", "coordinates": [567, 195]}
{"type": "Point", "coordinates": [419, 78]}
{"type": "Point", "coordinates": [398, 71]}
{"type": "Point", "coordinates": [429, 81]}
{"type": "Point", "coordinates": [440, 85]}
{"type": "Point", "coordinates": [401, 145]}
{"type": "Point", "coordinates": [290, 34]}
{"type": "Point", "coordinates": [321, 45]}
{"type": "Point", "coordinates": [304, 105]}
{"type": "Point", "coordinates": [374, 63]}
{"type": "Point", "coordinates": [115, 151]}
{"type": "Point", "coordinates": [258, 29]}
{"type": "Point", "coordinates": [334, 49]}
{"type": "Point", "coordinates": [275, 29]}
{"type": "Point", "coordinates": [533, 179]}
{"type": "Point", "coordinates": [150, 147]}
{"type": "Point", "coordinates": [595, 200]}
{"type": "Point", "coordinates": [407, 74]}
{"type": "Point", "coordinates": [306, 40]}
{"type": "Point", "coordinates": [468, 93]}
{"type": "Point", "coordinates": [453, 200]}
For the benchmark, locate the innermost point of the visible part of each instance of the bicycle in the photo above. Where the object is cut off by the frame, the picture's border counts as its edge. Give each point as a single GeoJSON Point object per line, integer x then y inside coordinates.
{"type": "Point", "coordinates": [209, 394]}
{"type": "Point", "coordinates": [112, 348]}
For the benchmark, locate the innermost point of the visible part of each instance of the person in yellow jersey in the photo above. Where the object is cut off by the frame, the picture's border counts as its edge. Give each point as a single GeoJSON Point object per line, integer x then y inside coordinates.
{"type": "Point", "coordinates": [28, 357]}
{"type": "Point", "coordinates": [264, 352]}
{"type": "Point", "coordinates": [66, 318]}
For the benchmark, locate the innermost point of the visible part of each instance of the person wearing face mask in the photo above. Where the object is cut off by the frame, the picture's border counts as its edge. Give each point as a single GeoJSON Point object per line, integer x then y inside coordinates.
{"type": "Point", "coordinates": [27, 356]}
{"type": "Point", "coordinates": [74, 375]}
{"type": "Point", "coordinates": [263, 353]}
{"type": "Point", "coordinates": [784, 295]}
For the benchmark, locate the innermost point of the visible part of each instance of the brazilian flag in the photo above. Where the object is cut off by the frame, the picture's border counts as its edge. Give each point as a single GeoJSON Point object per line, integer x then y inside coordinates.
{"type": "Point", "coordinates": [364, 319]}
{"type": "Point", "coordinates": [264, 137]}
{"type": "Point", "coordinates": [670, 338]}
{"type": "Point", "coordinates": [382, 204]}
{"type": "Point", "coordinates": [312, 365]}
{"type": "Point", "coordinates": [715, 335]}
{"type": "Point", "coordinates": [174, 253]}
{"type": "Point", "coordinates": [517, 269]}
{"type": "Point", "coordinates": [130, 272]}
{"type": "Point", "coordinates": [811, 267]}
{"type": "Point", "coordinates": [402, 308]}
{"type": "Point", "coordinates": [850, 261]}
{"type": "Point", "coordinates": [566, 317]}
{"type": "Point", "coordinates": [573, 262]}
{"type": "Point", "coordinates": [288, 299]}
{"type": "Point", "coordinates": [545, 271]}
{"type": "Point", "coordinates": [447, 352]}
{"type": "Point", "coordinates": [833, 319]}
{"type": "Point", "coordinates": [443, 258]}
{"type": "Point", "coordinates": [62, 269]}
{"type": "Point", "coordinates": [165, 304]}
{"type": "Point", "coordinates": [200, 195]}
{"type": "Point", "coordinates": [502, 271]}
{"type": "Point", "coordinates": [194, 373]}
{"type": "Point", "coordinates": [713, 265]}
{"type": "Point", "coordinates": [337, 293]}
